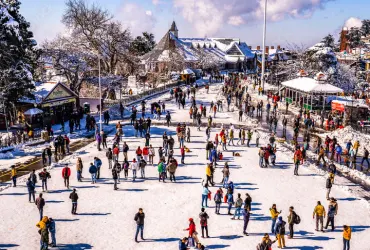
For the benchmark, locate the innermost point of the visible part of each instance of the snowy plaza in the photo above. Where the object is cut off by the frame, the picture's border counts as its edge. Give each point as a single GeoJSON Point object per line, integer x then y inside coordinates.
{"type": "Point", "coordinates": [184, 125]}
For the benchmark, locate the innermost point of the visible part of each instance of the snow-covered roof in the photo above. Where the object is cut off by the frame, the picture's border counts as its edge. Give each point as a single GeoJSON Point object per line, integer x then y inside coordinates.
{"type": "Point", "coordinates": [348, 103]}
{"type": "Point", "coordinates": [309, 85]}
{"type": "Point", "coordinates": [218, 50]}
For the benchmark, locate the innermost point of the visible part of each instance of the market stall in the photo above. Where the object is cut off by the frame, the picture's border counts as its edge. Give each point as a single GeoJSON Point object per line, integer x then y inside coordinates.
{"type": "Point", "coordinates": [188, 76]}
{"type": "Point", "coordinates": [58, 104]}
{"type": "Point", "coordinates": [34, 117]}
{"type": "Point", "coordinates": [309, 93]}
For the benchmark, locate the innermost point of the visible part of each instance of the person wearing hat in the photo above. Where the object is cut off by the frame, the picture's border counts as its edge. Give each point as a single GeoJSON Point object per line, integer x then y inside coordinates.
{"type": "Point", "coordinates": [332, 211]}
{"type": "Point", "coordinates": [139, 218]}
{"type": "Point", "coordinates": [346, 237]}
{"type": "Point", "coordinates": [280, 232]}
{"type": "Point", "coordinates": [13, 175]}
{"type": "Point", "coordinates": [74, 197]}
{"type": "Point", "coordinates": [192, 230]}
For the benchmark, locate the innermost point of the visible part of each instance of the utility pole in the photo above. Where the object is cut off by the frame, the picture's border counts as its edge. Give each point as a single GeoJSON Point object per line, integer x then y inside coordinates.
{"type": "Point", "coordinates": [264, 48]}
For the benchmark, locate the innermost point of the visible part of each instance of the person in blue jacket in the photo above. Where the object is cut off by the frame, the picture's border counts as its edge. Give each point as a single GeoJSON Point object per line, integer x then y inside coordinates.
{"type": "Point", "coordinates": [97, 163]}
{"type": "Point", "coordinates": [31, 189]}
{"type": "Point", "coordinates": [213, 157]}
{"type": "Point", "coordinates": [93, 170]}
{"type": "Point", "coordinates": [182, 244]}
{"type": "Point", "coordinates": [52, 230]}
{"type": "Point", "coordinates": [230, 201]}
{"type": "Point", "coordinates": [338, 153]}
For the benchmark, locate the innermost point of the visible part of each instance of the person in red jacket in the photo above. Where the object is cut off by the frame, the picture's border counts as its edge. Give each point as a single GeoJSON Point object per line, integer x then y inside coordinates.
{"type": "Point", "coordinates": [115, 153]}
{"type": "Point", "coordinates": [192, 230]}
{"type": "Point", "coordinates": [297, 160]}
{"type": "Point", "coordinates": [66, 172]}
{"type": "Point", "coordinates": [146, 153]}
{"type": "Point", "coordinates": [139, 152]}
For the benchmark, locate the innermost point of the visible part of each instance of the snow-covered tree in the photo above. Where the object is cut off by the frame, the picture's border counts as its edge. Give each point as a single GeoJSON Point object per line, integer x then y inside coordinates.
{"type": "Point", "coordinates": [329, 41]}
{"type": "Point", "coordinates": [18, 55]}
{"type": "Point", "coordinates": [69, 60]}
{"type": "Point", "coordinates": [365, 28]}
{"type": "Point", "coordinates": [354, 37]}
{"type": "Point", "coordinates": [143, 44]}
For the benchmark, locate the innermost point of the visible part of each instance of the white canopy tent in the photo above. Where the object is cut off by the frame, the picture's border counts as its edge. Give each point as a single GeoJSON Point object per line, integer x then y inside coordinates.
{"type": "Point", "coordinates": [308, 92]}
{"type": "Point", "coordinates": [33, 111]}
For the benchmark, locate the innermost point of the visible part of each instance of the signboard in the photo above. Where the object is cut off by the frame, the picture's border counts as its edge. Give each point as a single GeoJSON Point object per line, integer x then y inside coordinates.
{"type": "Point", "coordinates": [306, 106]}
{"type": "Point", "coordinates": [58, 92]}
{"type": "Point", "coordinates": [289, 100]}
{"type": "Point", "coordinates": [337, 106]}
{"type": "Point", "coordinates": [52, 104]}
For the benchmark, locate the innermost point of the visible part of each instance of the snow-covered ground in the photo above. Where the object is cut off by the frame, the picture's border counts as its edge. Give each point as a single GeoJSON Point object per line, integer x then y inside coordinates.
{"type": "Point", "coordinates": [105, 217]}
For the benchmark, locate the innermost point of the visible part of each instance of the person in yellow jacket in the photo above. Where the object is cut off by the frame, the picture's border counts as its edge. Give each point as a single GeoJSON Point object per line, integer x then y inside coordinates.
{"type": "Point", "coordinates": [13, 175]}
{"type": "Point", "coordinates": [42, 223]}
{"type": "Point", "coordinates": [209, 174]}
{"type": "Point", "coordinates": [356, 146]}
{"type": "Point", "coordinates": [320, 213]}
{"type": "Point", "coordinates": [274, 215]}
{"type": "Point", "coordinates": [346, 237]}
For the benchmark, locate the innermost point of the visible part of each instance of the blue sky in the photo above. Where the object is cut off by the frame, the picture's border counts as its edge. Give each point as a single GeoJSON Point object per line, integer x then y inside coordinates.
{"type": "Point", "coordinates": [295, 21]}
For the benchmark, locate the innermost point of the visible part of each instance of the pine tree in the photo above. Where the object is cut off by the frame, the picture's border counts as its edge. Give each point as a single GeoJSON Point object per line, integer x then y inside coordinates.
{"type": "Point", "coordinates": [18, 55]}
{"type": "Point", "coordinates": [143, 44]}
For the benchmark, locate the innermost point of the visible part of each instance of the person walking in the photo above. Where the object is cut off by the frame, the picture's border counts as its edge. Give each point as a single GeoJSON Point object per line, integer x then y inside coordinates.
{"type": "Point", "coordinates": [109, 155]}
{"type": "Point", "coordinates": [192, 231]}
{"type": "Point", "coordinates": [280, 232]}
{"type": "Point", "coordinates": [52, 229]}
{"type": "Point", "coordinates": [40, 203]}
{"type": "Point", "coordinates": [291, 221]}
{"type": "Point", "coordinates": [246, 216]}
{"type": "Point", "coordinates": [139, 218]}
{"type": "Point", "coordinates": [31, 189]}
{"type": "Point", "coordinates": [226, 174]}
{"type": "Point", "coordinates": [66, 173]}
{"type": "Point", "coordinates": [151, 154]}
{"type": "Point", "coordinates": [274, 216]}
{"type": "Point", "coordinates": [328, 185]}
{"type": "Point", "coordinates": [320, 213]}
{"type": "Point", "coordinates": [142, 165]}
{"type": "Point", "coordinates": [218, 200]}
{"type": "Point", "coordinates": [347, 233]}
{"type": "Point", "coordinates": [332, 212]}
{"type": "Point", "coordinates": [74, 198]}
{"type": "Point", "coordinates": [79, 167]}
{"type": "Point", "coordinates": [93, 170]}
{"type": "Point", "coordinates": [44, 176]}
{"type": "Point", "coordinates": [248, 202]}
{"type": "Point", "coordinates": [203, 216]}
{"type": "Point", "coordinates": [182, 151]}
{"type": "Point", "coordinates": [125, 149]}
{"type": "Point", "coordinates": [14, 175]}
{"type": "Point", "coordinates": [365, 158]}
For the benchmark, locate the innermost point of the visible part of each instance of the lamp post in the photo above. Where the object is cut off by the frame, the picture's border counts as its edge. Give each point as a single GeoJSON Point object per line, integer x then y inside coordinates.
{"type": "Point", "coordinates": [263, 48]}
{"type": "Point", "coordinates": [100, 99]}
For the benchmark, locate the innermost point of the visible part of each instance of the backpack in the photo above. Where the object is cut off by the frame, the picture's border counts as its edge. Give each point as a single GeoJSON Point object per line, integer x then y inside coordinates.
{"type": "Point", "coordinates": [218, 198]}
{"type": "Point", "coordinates": [297, 219]}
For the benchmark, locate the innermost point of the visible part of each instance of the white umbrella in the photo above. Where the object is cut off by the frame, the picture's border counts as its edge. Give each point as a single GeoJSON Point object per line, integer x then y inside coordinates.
{"type": "Point", "coordinates": [187, 72]}
{"type": "Point", "coordinates": [33, 111]}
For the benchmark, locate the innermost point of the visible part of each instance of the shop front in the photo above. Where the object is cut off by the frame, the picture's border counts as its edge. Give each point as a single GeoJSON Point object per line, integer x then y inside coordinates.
{"type": "Point", "coordinates": [58, 104]}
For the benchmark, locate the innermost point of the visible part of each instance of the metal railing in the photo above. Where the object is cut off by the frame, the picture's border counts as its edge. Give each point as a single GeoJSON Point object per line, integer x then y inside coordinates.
{"type": "Point", "coordinates": [18, 138]}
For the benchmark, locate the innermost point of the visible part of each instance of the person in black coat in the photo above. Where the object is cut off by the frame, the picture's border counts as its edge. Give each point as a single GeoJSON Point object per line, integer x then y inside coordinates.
{"type": "Point", "coordinates": [74, 198]}
{"type": "Point", "coordinates": [139, 218]}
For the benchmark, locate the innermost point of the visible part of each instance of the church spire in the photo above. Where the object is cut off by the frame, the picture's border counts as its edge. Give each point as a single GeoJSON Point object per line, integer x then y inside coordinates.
{"type": "Point", "coordinates": [174, 29]}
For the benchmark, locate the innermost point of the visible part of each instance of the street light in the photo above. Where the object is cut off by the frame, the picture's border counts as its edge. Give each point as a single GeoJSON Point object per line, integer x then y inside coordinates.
{"type": "Point", "coordinates": [263, 48]}
{"type": "Point", "coordinates": [100, 99]}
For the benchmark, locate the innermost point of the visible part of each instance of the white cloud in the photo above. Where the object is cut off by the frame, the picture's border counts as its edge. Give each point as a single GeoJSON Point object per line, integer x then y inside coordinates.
{"type": "Point", "coordinates": [208, 16]}
{"type": "Point", "coordinates": [353, 22]}
{"type": "Point", "coordinates": [235, 20]}
{"type": "Point", "coordinates": [136, 18]}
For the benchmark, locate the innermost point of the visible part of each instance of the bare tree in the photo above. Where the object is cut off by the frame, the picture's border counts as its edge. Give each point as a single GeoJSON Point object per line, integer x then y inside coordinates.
{"type": "Point", "coordinates": [92, 28]}
{"type": "Point", "coordinates": [69, 61]}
